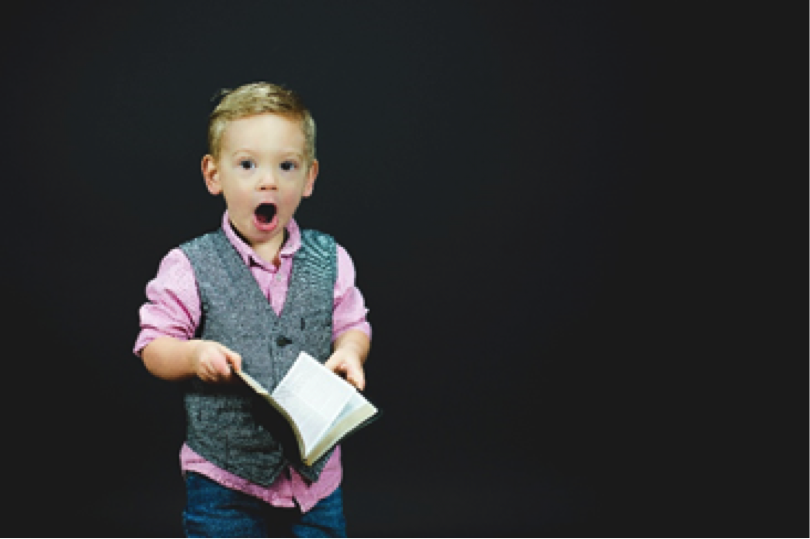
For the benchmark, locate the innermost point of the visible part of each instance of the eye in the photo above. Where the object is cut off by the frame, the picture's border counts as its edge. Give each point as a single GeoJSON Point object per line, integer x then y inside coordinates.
{"type": "Point", "coordinates": [247, 164]}
{"type": "Point", "coordinates": [287, 166]}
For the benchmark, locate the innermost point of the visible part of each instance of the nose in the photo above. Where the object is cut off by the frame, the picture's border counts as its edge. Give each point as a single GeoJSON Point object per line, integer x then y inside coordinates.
{"type": "Point", "coordinates": [267, 181]}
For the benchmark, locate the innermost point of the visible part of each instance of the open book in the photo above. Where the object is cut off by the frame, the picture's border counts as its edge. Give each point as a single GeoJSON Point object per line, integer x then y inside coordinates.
{"type": "Point", "coordinates": [321, 407]}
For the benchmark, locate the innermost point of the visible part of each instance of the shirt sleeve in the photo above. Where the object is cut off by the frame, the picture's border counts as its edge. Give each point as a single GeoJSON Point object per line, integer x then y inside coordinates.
{"type": "Point", "coordinates": [174, 307]}
{"type": "Point", "coordinates": [350, 308]}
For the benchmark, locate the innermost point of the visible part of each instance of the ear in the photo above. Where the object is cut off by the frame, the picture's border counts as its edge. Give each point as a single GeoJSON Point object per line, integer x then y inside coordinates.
{"type": "Point", "coordinates": [312, 173]}
{"type": "Point", "coordinates": [210, 173]}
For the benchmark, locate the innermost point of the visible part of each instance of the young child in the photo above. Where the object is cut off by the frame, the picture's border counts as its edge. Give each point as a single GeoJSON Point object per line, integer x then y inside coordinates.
{"type": "Point", "coordinates": [251, 296]}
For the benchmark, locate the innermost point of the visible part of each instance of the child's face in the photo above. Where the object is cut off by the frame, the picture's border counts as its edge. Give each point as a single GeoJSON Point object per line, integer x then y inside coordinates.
{"type": "Point", "coordinates": [262, 174]}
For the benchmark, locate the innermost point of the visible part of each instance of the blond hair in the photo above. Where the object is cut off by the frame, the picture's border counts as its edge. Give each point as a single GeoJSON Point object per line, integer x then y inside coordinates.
{"type": "Point", "coordinates": [259, 98]}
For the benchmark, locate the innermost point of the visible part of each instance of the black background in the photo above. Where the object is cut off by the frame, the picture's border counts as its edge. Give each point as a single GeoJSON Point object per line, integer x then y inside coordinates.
{"type": "Point", "coordinates": [567, 222]}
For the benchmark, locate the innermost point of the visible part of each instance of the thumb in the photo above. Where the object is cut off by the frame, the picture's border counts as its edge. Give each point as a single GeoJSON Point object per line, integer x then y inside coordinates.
{"type": "Point", "coordinates": [231, 357]}
{"type": "Point", "coordinates": [333, 363]}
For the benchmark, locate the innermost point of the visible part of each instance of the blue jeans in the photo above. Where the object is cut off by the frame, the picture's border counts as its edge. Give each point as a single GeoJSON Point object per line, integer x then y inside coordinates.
{"type": "Point", "coordinates": [213, 510]}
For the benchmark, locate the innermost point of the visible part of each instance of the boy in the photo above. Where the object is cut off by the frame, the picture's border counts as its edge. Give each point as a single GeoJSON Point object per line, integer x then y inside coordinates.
{"type": "Point", "coordinates": [252, 295]}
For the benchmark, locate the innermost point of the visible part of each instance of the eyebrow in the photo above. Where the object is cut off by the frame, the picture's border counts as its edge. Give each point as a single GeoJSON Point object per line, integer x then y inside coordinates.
{"type": "Point", "coordinates": [282, 152]}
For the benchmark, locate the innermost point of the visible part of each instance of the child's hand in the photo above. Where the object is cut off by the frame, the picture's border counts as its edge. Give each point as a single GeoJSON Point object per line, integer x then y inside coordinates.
{"type": "Point", "coordinates": [212, 362]}
{"type": "Point", "coordinates": [347, 363]}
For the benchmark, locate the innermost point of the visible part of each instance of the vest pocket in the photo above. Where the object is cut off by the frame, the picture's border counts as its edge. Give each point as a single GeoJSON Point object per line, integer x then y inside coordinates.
{"type": "Point", "coordinates": [316, 319]}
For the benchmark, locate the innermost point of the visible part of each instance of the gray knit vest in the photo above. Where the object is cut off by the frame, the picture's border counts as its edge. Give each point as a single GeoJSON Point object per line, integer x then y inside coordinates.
{"type": "Point", "coordinates": [224, 421]}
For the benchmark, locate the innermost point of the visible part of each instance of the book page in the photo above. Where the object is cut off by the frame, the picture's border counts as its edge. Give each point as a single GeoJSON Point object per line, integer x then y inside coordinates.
{"type": "Point", "coordinates": [356, 402]}
{"type": "Point", "coordinates": [313, 396]}
{"type": "Point", "coordinates": [356, 411]}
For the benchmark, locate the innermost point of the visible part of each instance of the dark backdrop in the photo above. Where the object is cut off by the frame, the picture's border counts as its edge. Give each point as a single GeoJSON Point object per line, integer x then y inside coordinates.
{"type": "Point", "coordinates": [526, 190]}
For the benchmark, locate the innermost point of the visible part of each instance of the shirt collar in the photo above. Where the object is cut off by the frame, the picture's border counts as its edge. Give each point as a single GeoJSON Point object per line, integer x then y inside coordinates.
{"type": "Point", "coordinates": [246, 252]}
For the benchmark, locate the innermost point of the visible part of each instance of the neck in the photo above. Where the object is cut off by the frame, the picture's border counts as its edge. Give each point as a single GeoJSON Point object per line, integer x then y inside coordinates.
{"type": "Point", "coordinates": [269, 252]}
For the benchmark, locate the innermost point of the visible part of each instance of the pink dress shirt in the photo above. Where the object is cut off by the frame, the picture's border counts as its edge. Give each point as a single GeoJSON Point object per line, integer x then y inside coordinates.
{"type": "Point", "coordinates": [174, 310]}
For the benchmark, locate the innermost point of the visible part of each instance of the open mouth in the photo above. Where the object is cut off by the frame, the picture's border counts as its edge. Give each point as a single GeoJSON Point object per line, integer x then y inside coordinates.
{"type": "Point", "coordinates": [265, 213]}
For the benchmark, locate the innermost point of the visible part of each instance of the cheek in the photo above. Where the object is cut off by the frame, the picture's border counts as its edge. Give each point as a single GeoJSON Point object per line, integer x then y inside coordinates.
{"type": "Point", "coordinates": [239, 198]}
{"type": "Point", "coordinates": [290, 199]}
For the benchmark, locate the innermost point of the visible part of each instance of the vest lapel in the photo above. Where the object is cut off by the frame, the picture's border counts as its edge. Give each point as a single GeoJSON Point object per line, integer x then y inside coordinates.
{"type": "Point", "coordinates": [241, 275]}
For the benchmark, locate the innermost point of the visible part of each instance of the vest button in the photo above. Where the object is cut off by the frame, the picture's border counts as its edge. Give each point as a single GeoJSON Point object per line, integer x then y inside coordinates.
{"type": "Point", "coordinates": [281, 340]}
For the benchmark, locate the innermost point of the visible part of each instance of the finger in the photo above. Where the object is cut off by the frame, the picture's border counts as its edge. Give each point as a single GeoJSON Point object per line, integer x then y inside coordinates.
{"type": "Point", "coordinates": [221, 367]}
{"type": "Point", "coordinates": [356, 377]}
{"type": "Point", "coordinates": [213, 366]}
{"type": "Point", "coordinates": [209, 371]}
